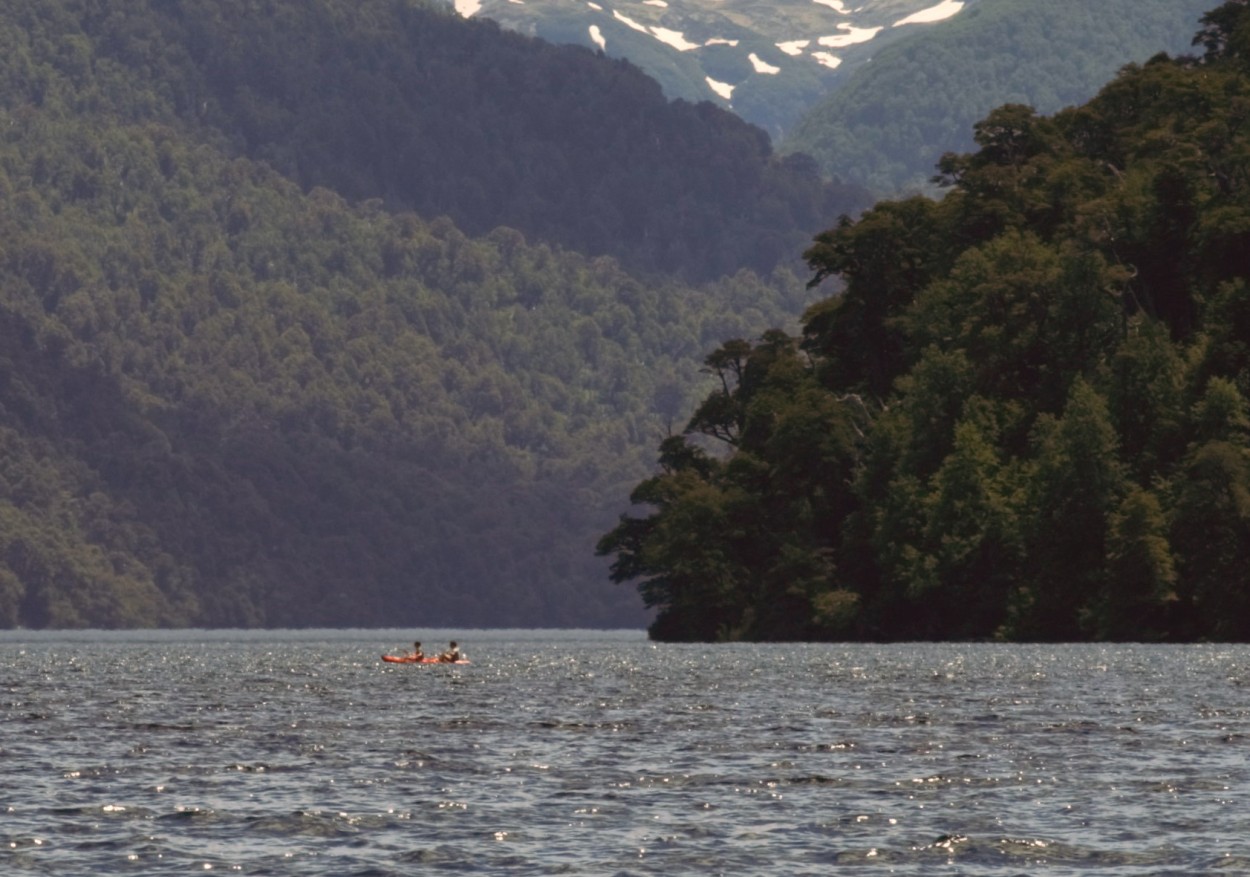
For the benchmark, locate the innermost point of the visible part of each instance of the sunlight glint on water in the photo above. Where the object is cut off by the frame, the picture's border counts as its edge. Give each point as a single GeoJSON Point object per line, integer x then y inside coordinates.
{"type": "Point", "coordinates": [591, 753]}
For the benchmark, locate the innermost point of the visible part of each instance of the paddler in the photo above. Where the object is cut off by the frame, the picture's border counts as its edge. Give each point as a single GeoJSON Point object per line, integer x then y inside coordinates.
{"type": "Point", "coordinates": [452, 655]}
{"type": "Point", "coordinates": [417, 654]}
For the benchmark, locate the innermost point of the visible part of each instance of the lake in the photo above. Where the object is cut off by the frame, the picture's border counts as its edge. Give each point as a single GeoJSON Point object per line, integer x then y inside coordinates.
{"type": "Point", "coordinates": [600, 753]}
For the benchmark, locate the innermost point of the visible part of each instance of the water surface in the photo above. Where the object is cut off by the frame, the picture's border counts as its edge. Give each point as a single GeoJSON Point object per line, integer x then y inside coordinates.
{"type": "Point", "coordinates": [300, 753]}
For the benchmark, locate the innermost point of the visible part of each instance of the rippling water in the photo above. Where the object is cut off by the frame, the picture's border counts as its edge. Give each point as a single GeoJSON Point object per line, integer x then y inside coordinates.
{"type": "Point", "coordinates": [603, 754]}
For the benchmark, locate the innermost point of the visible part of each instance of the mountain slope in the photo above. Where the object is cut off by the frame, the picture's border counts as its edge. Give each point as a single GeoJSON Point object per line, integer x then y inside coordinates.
{"type": "Point", "coordinates": [409, 103]}
{"type": "Point", "coordinates": [769, 62]}
{"type": "Point", "coordinates": [225, 400]}
{"type": "Point", "coordinates": [892, 119]}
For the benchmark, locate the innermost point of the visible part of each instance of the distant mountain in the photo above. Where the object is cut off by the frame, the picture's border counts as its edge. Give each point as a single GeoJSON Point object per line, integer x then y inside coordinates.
{"type": "Point", "coordinates": [407, 102]}
{"type": "Point", "coordinates": [890, 121]}
{"type": "Point", "coordinates": [769, 62]}
{"type": "Point", "coordinates": [800, 68]}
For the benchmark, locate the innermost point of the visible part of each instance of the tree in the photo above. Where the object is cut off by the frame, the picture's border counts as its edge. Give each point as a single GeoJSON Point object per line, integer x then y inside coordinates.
{"type": "Point", "coordinates": [1211, 533]}
{"type": "Point", "coordinates": [1028, 318]}
{"type": "Point", "coordinates": [885, 259]}
{"type": "Point", "coordinates": [1075, 484]}
{"type": "Point", "coordinates": [1145, 397]}
{"type": "Point", "coordinates": [1225, 32]}
{"type": "Point", "coordinates": [1141, 573]}
{"type": "Point", "coordinates": [972, 549]}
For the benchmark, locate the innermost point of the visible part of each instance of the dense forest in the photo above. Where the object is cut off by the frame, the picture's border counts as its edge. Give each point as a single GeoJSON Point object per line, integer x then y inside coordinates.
{"type": "Point", "coordinates": [1025, 417]}
{"type": "Point", "coordinates": [231, 395]}
{"type": "Point", "coordinates": [404, 101]}
{"type": "Point", "coordinates": [888, 124]}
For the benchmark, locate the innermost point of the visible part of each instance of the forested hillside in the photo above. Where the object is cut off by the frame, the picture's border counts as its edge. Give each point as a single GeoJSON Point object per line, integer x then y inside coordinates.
{"type": "Point", "coordinates": [404, 101]}
{"type": "Point", "coordinates": [228, 400]}
{"type": "Point", "coordinates": [1026, 417]}
{"type": "Point", "coordinates": [887, 125]}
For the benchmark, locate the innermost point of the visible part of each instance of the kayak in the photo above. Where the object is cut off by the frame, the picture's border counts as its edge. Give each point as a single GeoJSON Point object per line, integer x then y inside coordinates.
{"type": "Point", "coordinates": [405, 659]}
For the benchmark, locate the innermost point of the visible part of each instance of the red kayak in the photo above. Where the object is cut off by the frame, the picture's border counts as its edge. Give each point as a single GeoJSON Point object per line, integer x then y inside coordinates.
{"type": "Point", "coordinates": [406, 659]}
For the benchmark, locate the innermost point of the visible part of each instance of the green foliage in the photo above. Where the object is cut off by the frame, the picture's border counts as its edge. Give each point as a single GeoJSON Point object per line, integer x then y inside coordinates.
{"type": "Point", "coordinates": [1074, 484]}
{"type": "Point", "coordinates": [738, 549]}
{"type": "Point", "coordinates": [226, 400]}
{"type": "Point", "coordinates": [884, 258]}
{"type": "Point", "coordinates": [1141, 572]}
{"type": "Point", "coordinates": [1211, 531]}
{"type": "Point", "coordinates": [1026, 410]}
{"type": "Point", "coordinates": [409, 103]}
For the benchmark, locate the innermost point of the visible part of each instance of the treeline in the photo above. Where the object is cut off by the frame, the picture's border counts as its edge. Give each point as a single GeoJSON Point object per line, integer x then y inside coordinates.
{"type": "Point", "coordinates": [225, 401]}
{"type": "Point", "coordinates": [1025, 418]}
{"type": "Point", "coordinates": [404, 101]}
{"type": "Point", "coordinates": [920, 97]}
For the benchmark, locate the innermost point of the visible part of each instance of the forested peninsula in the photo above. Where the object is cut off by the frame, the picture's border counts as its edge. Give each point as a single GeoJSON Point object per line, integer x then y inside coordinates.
{"type": "Point", "coordinates": [1025, 418]}
{"type": "Point", "coordinates": [352, 312]}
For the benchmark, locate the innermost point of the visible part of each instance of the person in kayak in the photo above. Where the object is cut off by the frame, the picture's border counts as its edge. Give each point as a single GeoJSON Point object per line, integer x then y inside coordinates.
{"type": "Point", "coordinates": [417, 654]}
{"type": "Point", "coordinates": [452, 655]}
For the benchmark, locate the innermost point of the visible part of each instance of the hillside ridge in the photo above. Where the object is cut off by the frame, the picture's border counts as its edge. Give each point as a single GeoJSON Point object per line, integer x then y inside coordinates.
{"type": "Point", "coordinates": [243, 384]}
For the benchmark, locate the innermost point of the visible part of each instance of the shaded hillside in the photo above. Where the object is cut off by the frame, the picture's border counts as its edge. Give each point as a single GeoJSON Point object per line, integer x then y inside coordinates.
{"type": "Point", "coordinates": [224, 401]}
{"type": "Point", "coordinates": [1027, 416]}
{"type": "Point", "coordinates": [888, 125]}
{"type": "Point", "coordinates": [407, 102]}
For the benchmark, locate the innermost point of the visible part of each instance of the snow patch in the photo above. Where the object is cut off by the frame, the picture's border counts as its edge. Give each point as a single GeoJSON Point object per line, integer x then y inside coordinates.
{"type": "Point", "coordinates": [852, 36]}
{"type": "Point", "coordinates": [629, 21]}
{"type": "Point", "coordinates": [794, 47]}
{"type": "Point", "coordinates": [660, 3]}
{"type": "Point", "coordinates": [596, 37]}
{"type": "Point", "coordinates": [673, 38]}
{"type": "Point", "coordinates": [724, 89]}
{"type": "Point", "coordinates": [835, 5]}
{"type": "Point", "coordinates": [941, 12]}
{"type": "Point", "coordinates": [720, 41]}
{"type": "Point", "coordinates": [595, 6]}
{"type": "Point", "coordinates": [833, 62]}
{"type": "Point", "coordinates": [762, 66]}
{"type": "Point", "coordinates": [468, 8]}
